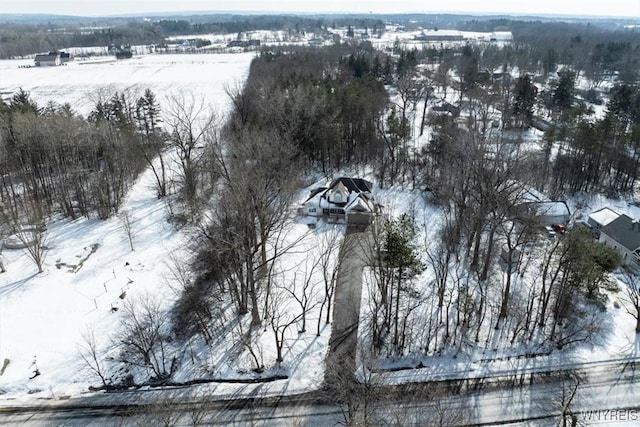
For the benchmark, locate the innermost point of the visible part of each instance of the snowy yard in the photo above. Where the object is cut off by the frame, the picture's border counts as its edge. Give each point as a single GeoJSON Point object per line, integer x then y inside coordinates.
{"type": "Point", "coordinates": [91, 273]}
{"type": "Point", "coordinates": [495, 354]}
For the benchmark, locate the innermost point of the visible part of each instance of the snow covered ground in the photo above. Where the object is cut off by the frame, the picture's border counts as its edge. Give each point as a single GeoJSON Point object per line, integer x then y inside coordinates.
{"type": "Point", "coordinates": [90, 268]}
{"type": "Point", "coordinates": [83, 83]}
{"type": "Point", "coordinates": [43, 316]}
{"type": "Point", "coordinates": [616, 343]}
{"type": "Point", "coordinates": [91, 272]}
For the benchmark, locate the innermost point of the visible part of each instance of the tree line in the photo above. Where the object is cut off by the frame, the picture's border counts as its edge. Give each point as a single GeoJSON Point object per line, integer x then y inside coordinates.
{"type": "Point", "coordinates": [54, 161]}
{"type": "Point", "coordinates": [22, 38]}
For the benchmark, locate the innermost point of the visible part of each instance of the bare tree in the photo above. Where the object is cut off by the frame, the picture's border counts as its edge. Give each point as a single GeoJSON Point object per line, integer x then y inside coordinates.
{"type": "Point", "coordinates": [352, 384]}
{"type": "Point", "coordinates": [632, 287]}
{"type": "Point", "coordinates": [250, 342]}
{"type": "Point", "coordinates": [192, 126]}
{"type": "Point", "coordinates": [303, 289]}
{"type": "Point", "coordinates": [568, 389]}
{"type": "Point", "coordinates": [145, 335]}
{"type": "Point", "coordinates": [280, 319]}
{"type": "Point", "coordinates": [162, 413]}
{"type": "Point", "coordinates": [517, 234]}
{"type": "Point", "coordinates": [259, 172]}
{"type": "Point", "coordinates": [26, 221]}
{"type": "Point", "coordinates": [329, 264]}
{"type": "Point", "coordinates": [94, 361]}
{"type": "Point", "coordinates": [127, 225]}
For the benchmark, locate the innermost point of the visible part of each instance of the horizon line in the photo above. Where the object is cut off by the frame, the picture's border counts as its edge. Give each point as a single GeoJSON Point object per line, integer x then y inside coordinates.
{"type": "Point", "coordinates": [264, 12]}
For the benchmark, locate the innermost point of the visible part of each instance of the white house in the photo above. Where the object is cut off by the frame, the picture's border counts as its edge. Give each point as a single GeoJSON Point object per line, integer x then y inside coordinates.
{"type": "Point", "coordinates": [553, 212]}
{"type": "Point", "coordinates": [348, 200]}
{"type": "Point", "coordinates": [548, 211]}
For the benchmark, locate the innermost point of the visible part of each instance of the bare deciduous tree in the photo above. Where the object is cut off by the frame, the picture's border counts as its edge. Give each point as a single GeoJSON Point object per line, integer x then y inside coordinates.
{"type": "Point", "coordinates": [329, 264]}
{"type": "Point", "coordinates": [632, 285]}
{"type": "Point", "coordinates": [250, 342]}
{"type": "Point", "coordinates": [127, 225]}
{"type": "Point", "coordinates": [280, 319]}
{"type": "Point", "coordinates": [26, 220]}
{"type": "Point", "coordinates": [90, 354]}
{"type": "Point", "coordinates": [192, 125]}
{"type": "Point", "coordinates": [259, 173]}
{"type": "Point", "coordinates": [145, 334]}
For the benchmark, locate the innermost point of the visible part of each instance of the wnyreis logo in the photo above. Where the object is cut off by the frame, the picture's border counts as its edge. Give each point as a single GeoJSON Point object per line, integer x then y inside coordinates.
{"type": "Point", "coordinates": [611, 415]}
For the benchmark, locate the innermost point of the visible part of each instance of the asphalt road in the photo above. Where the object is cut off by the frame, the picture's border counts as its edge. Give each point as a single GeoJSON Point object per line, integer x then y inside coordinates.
{"type": "Point", "coordinates": [606, 395]}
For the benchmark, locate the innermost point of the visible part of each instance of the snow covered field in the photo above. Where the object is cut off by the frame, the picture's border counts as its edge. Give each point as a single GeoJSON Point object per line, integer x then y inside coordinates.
{"type": "Point", "coordinates": [82, 83]}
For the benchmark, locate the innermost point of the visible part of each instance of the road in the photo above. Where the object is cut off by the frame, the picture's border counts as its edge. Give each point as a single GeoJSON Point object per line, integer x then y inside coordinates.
{"type": "Point", "coordinates": [609, 393]}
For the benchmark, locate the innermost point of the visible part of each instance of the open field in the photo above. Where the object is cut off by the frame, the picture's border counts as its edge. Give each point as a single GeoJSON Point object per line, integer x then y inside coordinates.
{"type": "Point", "coordinates": [82, 84]}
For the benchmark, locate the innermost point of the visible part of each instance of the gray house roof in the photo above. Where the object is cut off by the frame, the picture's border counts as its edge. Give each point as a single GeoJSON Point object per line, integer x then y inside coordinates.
{"type": "Point", "coordinates": [625, 231]}
{"type": "Point", "coordinates": [357, 185]}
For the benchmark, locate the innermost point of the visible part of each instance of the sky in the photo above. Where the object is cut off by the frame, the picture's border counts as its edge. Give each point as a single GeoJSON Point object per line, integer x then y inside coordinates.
{"type": "Point", "coordinates": [622, 8]}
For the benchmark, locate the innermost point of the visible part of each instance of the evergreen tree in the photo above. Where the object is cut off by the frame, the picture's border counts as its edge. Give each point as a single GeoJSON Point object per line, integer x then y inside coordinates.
{"type": "Point", "coordinates": [525, 95]}
{"type": "Point", "coordinates": [564, 91]}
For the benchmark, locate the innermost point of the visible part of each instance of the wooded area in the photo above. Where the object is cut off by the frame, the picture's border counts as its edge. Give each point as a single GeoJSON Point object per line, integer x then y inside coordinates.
{"type": "Point", "coordinates": [320, 111]}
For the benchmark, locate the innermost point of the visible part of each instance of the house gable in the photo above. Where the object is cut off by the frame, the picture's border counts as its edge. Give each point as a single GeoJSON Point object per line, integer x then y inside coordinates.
{"type": "Point", "coordinates": [51, 58]}
{"type": "Point", "coordinates": [338, 193]}
{"type": "Point", "coordinates": [359, 204]}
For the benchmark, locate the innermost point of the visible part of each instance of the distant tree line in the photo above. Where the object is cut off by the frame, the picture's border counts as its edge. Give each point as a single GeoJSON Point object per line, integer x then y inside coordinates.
{"type": "Point", "coordinates": [19, 39]}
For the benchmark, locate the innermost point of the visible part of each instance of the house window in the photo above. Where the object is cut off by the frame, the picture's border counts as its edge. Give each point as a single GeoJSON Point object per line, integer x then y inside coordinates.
{"type": "Point", "coordinates": [312, 210]}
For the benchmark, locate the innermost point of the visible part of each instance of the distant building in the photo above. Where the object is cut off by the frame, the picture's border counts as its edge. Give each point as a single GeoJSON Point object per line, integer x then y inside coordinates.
{"type": "Point", "coordinates": [121, 52]}
{"type": "Point", "coordinates": [548, 212]}
{"type": "Point", "coordinates": [244, 43]}
{"type": "Point", "coordinates": [65, 57]}
{"type": "Point", "coordinates": [238, 43]}
{"type": "Point", "coordinates": [501, 36]}
{"type": "Point", "coordinates": [445, 107]}
{"type": "Point", "coordinates": [438, 37]}
{"type": "Point", "coordinates": [552, 212]}
{"type": "Point", "coordinates": [50, 59]}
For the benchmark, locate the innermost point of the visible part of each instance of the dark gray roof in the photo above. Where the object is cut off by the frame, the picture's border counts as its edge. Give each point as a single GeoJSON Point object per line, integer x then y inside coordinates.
{"type": "Point", "coordinates": [357, 185]}
{"type": "Point", "coordinates": [46, 57]}
{"type": "Point", "coordinates": [625, 231]}
{"type": "Point", "coordinates": [313, 193]}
